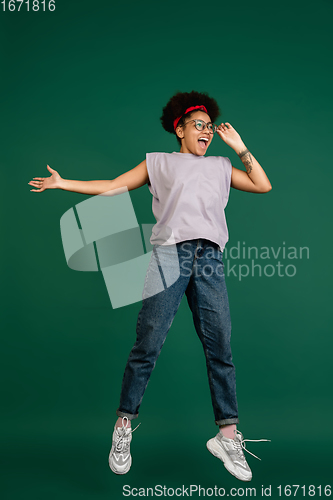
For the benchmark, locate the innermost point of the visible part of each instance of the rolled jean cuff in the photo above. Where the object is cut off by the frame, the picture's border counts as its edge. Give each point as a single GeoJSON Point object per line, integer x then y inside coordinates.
{"type": "Point", "coordinates": [227, 421]}
{"type": "Point", "coordinates": [130, 416]}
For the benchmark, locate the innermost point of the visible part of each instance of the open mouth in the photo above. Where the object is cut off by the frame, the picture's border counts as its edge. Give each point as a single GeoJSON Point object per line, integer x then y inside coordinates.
{"type": "Point", "coordinates": [203, 141]}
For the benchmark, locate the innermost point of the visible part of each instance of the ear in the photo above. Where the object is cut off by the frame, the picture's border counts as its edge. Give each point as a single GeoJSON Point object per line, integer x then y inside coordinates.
{"type": "Point", "coordinates": [180, 132]}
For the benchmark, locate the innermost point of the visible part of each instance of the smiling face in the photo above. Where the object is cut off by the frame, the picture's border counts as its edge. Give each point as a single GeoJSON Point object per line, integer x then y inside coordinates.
{"type": "Point", "coordinates": [190, 136]}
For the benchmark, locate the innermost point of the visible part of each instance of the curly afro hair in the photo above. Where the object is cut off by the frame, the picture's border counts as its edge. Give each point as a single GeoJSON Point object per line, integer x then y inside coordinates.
{"type": "Point", "coordinates": [179, 103]}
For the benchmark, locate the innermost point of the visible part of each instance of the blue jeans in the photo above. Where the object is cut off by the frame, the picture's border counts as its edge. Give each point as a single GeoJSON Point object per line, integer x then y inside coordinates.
{"type": "Point", "coordinates": [194, 267]}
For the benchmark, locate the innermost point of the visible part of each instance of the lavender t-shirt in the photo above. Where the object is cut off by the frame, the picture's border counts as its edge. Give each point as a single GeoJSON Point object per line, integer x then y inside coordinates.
{"type": "Point", "coordinates": [190, 193]}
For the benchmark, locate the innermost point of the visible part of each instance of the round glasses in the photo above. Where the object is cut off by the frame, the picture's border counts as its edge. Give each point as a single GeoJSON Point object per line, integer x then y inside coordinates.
{"type": "Point", "coordinates": [201, 125]}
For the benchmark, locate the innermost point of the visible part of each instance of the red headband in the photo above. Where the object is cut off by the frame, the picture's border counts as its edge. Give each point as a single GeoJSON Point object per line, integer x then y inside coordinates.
{"type": "Point", "coordinates": [192, 108]}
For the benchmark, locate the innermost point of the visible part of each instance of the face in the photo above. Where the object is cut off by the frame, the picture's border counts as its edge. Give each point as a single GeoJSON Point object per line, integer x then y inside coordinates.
{"type": "Point", "coordinates": [191, 136]}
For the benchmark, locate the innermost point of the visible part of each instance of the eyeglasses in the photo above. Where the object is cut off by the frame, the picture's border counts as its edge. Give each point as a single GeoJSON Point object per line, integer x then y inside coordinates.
{"type": "Point", "coordinates": [201, 125]}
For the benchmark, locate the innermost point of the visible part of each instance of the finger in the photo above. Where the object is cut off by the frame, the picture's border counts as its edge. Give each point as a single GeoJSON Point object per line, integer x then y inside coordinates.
{"type": "Point", "coordinates": [37, 190]}
{"type": "Point", "coordinates": [41, 178]}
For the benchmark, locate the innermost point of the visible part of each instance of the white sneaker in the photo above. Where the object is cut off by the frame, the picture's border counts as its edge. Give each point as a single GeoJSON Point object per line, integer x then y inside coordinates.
{"type": "Point", "coordinates": [230, 451]}
{"type": "Point", "coordinates": [120, 459]}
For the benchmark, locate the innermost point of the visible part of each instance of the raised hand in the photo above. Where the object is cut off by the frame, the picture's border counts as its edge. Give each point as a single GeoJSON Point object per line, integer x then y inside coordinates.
{"type": "Point", "coordinates": [43, 183]}
{"type": "Point", "coordinates": [229, 135]}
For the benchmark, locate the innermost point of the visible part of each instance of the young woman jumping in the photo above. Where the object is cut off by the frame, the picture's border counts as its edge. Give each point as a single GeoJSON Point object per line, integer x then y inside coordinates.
{"type": "Point", "coordinates": [190, 192]}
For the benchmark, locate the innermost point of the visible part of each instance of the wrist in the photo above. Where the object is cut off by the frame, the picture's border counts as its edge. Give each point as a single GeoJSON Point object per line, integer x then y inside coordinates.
{"type": "Point", "coordinates": [61, 183]}
{"type": "Point", "coordinates": [240, 148]}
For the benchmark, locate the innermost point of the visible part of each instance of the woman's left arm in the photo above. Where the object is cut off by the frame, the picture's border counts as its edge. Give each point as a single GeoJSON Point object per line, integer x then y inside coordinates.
{"type": "Point", "coordinates": [254, 180]}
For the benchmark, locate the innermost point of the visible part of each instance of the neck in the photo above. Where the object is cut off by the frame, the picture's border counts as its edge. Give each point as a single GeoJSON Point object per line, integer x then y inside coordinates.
{"type": "Point", "coordinates": [184, 149]}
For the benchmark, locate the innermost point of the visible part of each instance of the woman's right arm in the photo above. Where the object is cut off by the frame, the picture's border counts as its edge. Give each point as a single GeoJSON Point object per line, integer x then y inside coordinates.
{"type": "Point", "coordinates": [132, 179]}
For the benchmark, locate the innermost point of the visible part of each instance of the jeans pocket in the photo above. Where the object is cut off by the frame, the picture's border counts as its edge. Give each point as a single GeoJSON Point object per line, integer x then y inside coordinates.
{"type": "Point", "coordinates": [220, 257]}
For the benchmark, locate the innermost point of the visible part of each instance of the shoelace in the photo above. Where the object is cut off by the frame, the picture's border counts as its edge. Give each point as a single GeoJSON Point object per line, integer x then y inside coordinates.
{"type": "Point", "coordinates": [239, 443]}
{"type": "Point", "coordinates": [123, 441]}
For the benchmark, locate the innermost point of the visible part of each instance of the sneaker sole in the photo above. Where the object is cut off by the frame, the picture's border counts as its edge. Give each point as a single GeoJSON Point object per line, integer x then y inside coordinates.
{"type": "Point", "coordinates": [124, 471]}
{"type": "Point", "coordinates": [218, 452]}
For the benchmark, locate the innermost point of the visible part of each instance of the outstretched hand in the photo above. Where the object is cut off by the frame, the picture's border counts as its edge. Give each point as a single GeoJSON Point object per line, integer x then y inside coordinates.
{"type": "Point", "coordinates": [43, 183]}
{"type": "Point", "coordinates": [229, 135]}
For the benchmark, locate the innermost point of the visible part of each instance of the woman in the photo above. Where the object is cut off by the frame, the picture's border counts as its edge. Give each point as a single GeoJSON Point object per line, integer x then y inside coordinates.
{"type": "Point", "coordinates": [190, 192]}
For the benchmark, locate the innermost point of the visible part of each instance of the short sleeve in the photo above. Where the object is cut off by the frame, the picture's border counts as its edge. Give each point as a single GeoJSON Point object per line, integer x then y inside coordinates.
{"type": "Point", "coordinates": [150, 160]}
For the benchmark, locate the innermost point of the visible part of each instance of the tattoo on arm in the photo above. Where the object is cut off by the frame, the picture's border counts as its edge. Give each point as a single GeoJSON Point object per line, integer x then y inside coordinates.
{"type": "Point", "coordinates": [246, 158]}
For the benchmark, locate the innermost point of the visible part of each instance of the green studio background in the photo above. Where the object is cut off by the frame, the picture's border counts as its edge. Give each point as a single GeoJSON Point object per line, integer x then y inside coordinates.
{"type": "Point", "coordinates": [82, 89]}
